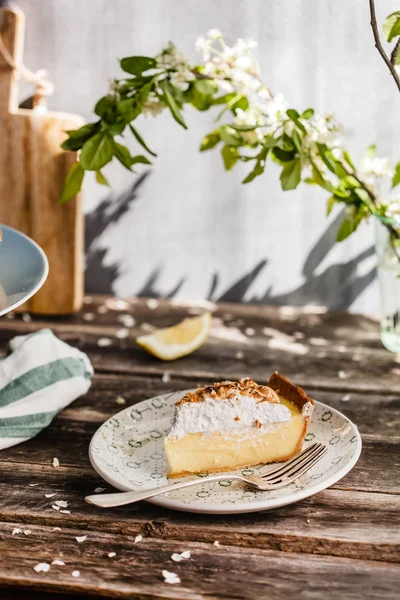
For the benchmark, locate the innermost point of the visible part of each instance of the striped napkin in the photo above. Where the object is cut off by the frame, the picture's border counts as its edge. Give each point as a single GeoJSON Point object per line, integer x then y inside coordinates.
{"type": "Point", "coordinates": [39, 377]}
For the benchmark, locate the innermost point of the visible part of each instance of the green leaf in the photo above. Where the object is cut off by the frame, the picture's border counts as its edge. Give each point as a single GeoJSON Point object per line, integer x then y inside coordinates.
{"type": "Point", "coordinates": [115, 128]}
{"type": "Point", "coordinates": [269, 141]}
{"type": "Point", "coordinates": [104, 105]}
{"type": "Point", "coordinates": [130, 108]}
{"type": "Point", "coordinates": [140, 159]}
{"type": "Point", "coordinates": [207, 87]}
{"type": "Point", "coordinates": [170, 101]}
{"type": "Point", "coordinates": [294, 115]}
{"type": "Point", "coordinates": [97, 151]}
{"type": "Point", "coordinates": [141, 140]}
{"type": "Point", "coordinates": [370, 152]}
{"type": "Point", "coordinates": [135, 65]}
{"type": "Point", "coordinates": [123, 155]}
{"type": "Point", "coordinates": [307, 114]}
{"type": "Point", "coordinates": [101, 179]}
{"type": "Point", "coordinates": [77, 137]}
{"type": "Point", "coordinates": [199, 100]}
{"type": "Point", "coordinates": [210, 141]}
{"type": "Point", "coordinates": [258, 170]}
{"type": "Point", "coordinates": [230, 156]}
{"type": "Point", "coordinates": [297, 141]}
{"type": "Point", "coordinates": [243, 127]}
{"type": "Point", "coordinates": [348, 160]}
{"type": "Point", "coordinates": [229, 136]}
{"type": "Point", "coordinates": [396, 176]}
{"type": "Point", "coordinates": [290, 176]}
{"type": "Point", "coordinates": [319, 179]}
{"type": "Point", "coordinates": [340, 170]}
{"type": "Point", "coordinates": [329, 205]}
{"type": "Point", "coordinates": [73, 183]}
{"type": "Point", "coordinates": [225, 99]}
{"type": "Point", "coordinates": [327, 157]}
{"type": "Point", "coordinates": [346, 228]}
{"type": "Point", "coordinates": [391, 26]}
{"type": "Point", "coordinates": [282, 156]}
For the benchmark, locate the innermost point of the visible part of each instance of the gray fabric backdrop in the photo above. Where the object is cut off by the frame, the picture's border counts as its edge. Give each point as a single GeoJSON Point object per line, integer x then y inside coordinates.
{"type": "Point", "coordinates": [185, 227]}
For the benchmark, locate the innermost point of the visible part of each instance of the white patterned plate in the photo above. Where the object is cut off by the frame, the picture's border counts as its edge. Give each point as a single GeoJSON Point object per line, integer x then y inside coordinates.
{"type": "Point", "coordinates": [128, 452]}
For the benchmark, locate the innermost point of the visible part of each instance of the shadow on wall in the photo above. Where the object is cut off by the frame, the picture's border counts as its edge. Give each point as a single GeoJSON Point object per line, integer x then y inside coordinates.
{"type": "Point", "coordinates": [316, 289]}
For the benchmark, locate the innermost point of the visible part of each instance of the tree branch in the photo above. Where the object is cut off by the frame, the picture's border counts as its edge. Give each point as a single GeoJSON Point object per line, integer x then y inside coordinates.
{"type": "Point", "coordinates": [379, 46]}
{"type": "Point", "coordinates": [395, 52]}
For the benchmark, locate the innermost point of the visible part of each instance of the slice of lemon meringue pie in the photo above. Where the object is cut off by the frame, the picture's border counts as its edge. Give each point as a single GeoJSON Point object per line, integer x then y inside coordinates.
{"type": "Point", "coordinates": [230, 425]}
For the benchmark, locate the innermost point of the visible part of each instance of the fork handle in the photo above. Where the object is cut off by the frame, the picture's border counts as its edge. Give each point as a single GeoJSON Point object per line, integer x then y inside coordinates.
{"type": "Point", "coordinates": [122, 498]}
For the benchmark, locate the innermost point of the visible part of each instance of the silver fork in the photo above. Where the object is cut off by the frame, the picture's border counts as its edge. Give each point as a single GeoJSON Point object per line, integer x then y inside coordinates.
{"type": "Point", "coordinates": [270, 479]}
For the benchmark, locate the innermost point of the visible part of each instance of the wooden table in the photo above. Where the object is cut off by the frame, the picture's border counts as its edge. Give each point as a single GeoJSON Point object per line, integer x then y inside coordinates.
{"type": "Point", "coordinates": [341, 543]}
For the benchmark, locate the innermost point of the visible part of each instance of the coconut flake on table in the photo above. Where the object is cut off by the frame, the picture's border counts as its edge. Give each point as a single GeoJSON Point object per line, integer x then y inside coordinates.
{"type": "Point", "coordinates": [346, 398]}
{"type": "Point", "coordinates": [33, 484]}
{"type": "Point", "coordinates": [152, 303]}
{"type": "Point", "coordinates": [216, 543]}
{"type": "Point", "coordinates": [89, 316]}
{"type": "Point", "coordinates": [126, 320]}
{"type": "Point", "coordinates": [239, 355]}
{"type": "Point", "coordinates": [41, 567]}
{"type": "Point", "coordinates": [148, 327]}
{"type": "Point", "coordinates": [122, 333]}
{"type": "Point", "coordinates": [50, 495]}
{"type": "Point", "coordinates": [342, 375]}
{"type": "Point", "coordinates": [27, 531]}
{"type": "Point", "coordinates": [120, 400]}
{"type": "Point", "coordinates": [55, 507]}
{"type": "Point", "coordinates": [103, 342]}
{"type": "Point", "coordinates": [56, 462]}
{"type": "Point", "coordinates": [98, 490]}
{"type": "Point", "coordinates": [170, 577]}
{"type": "Point", "coordinates": [61, 503]}
{"type": "Point", "coordinates": [111, 554]}
{"type": "Point", "coordinates": [58, 562]}
{"type": "Point", "coordinates": [166, 377]}
{"type": "Point", "coordinates": [138, 539]}
{"type": "Point", "coordinates": [16, 530]}
{"type": "Point", "coordinates": [81, 538]}
{"type": "Point", "coordinates": [26, 318]}
{"type": "Point", "coordinates": [249, 331]}
{"type": "Point", "coordinates": [179, 557]}
{"type": "Point", "coordinates": [65, 512]}
{"type": "Point", "coordinates": [76, 573]}
{"type": "Point", "coordinates": [56, 528]}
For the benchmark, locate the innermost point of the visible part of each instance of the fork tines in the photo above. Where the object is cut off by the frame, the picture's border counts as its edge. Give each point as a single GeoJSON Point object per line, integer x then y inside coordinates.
{"type": "Point", "coordinates": [303, 461]}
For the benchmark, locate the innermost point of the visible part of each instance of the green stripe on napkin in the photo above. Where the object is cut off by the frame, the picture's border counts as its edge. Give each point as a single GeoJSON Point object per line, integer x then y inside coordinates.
{"type": "Point", "coordinates": [41, 377]}
{"type": "Point", "coordinates": [26, 426]}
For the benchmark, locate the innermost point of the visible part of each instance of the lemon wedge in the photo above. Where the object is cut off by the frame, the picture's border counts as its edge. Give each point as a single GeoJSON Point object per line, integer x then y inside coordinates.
{"type": "Point", "coordinates": [177, 341]}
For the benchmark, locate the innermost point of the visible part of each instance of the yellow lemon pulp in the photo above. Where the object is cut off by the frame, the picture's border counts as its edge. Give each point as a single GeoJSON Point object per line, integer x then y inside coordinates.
{"type": "Point", "coordinates": [177, 341]}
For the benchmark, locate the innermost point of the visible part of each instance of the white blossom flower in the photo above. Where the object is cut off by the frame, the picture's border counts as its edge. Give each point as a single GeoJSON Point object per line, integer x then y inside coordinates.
{"type": "Point", "coordinates": [214, 34]}
{"type": "Point", "coordinates": [377, 166]}
{"type": "Point", "coordinates": [393, 209]}
{"type": "Point", "coordinates": [180, 79]}
{"type": "Point", "coordinates": [249, 117]}
{"type": "Point", "coordinates": [153, 105]}
{"type": "Point", "coordinates": [203, 47]}
{"type": "Point", "coordinates": [276, 109]}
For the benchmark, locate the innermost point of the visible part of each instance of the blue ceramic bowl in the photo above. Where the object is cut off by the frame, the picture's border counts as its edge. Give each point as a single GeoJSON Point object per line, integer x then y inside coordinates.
{"type": "Point", "coordinates": [23, 269]}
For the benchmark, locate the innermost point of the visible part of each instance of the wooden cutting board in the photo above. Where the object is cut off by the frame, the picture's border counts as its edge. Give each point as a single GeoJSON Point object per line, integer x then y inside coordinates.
{"type": "Point", "coordinates": [32, 170]}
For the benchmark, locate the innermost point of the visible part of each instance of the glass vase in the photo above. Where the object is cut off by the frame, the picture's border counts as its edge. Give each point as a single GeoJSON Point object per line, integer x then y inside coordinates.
{"type": "Point", "coordinates": [389, 283]}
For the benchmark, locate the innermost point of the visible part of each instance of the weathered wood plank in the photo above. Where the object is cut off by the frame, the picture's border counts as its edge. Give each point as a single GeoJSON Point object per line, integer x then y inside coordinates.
{"type": "Point", "coordinates": [229, 571]}
{"type": "Point", "coordinates": [70, 433]}
{"type": "Point", "coordinates": [312, 526]}
{"type": "Point", "coordinates": [314, 362]}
